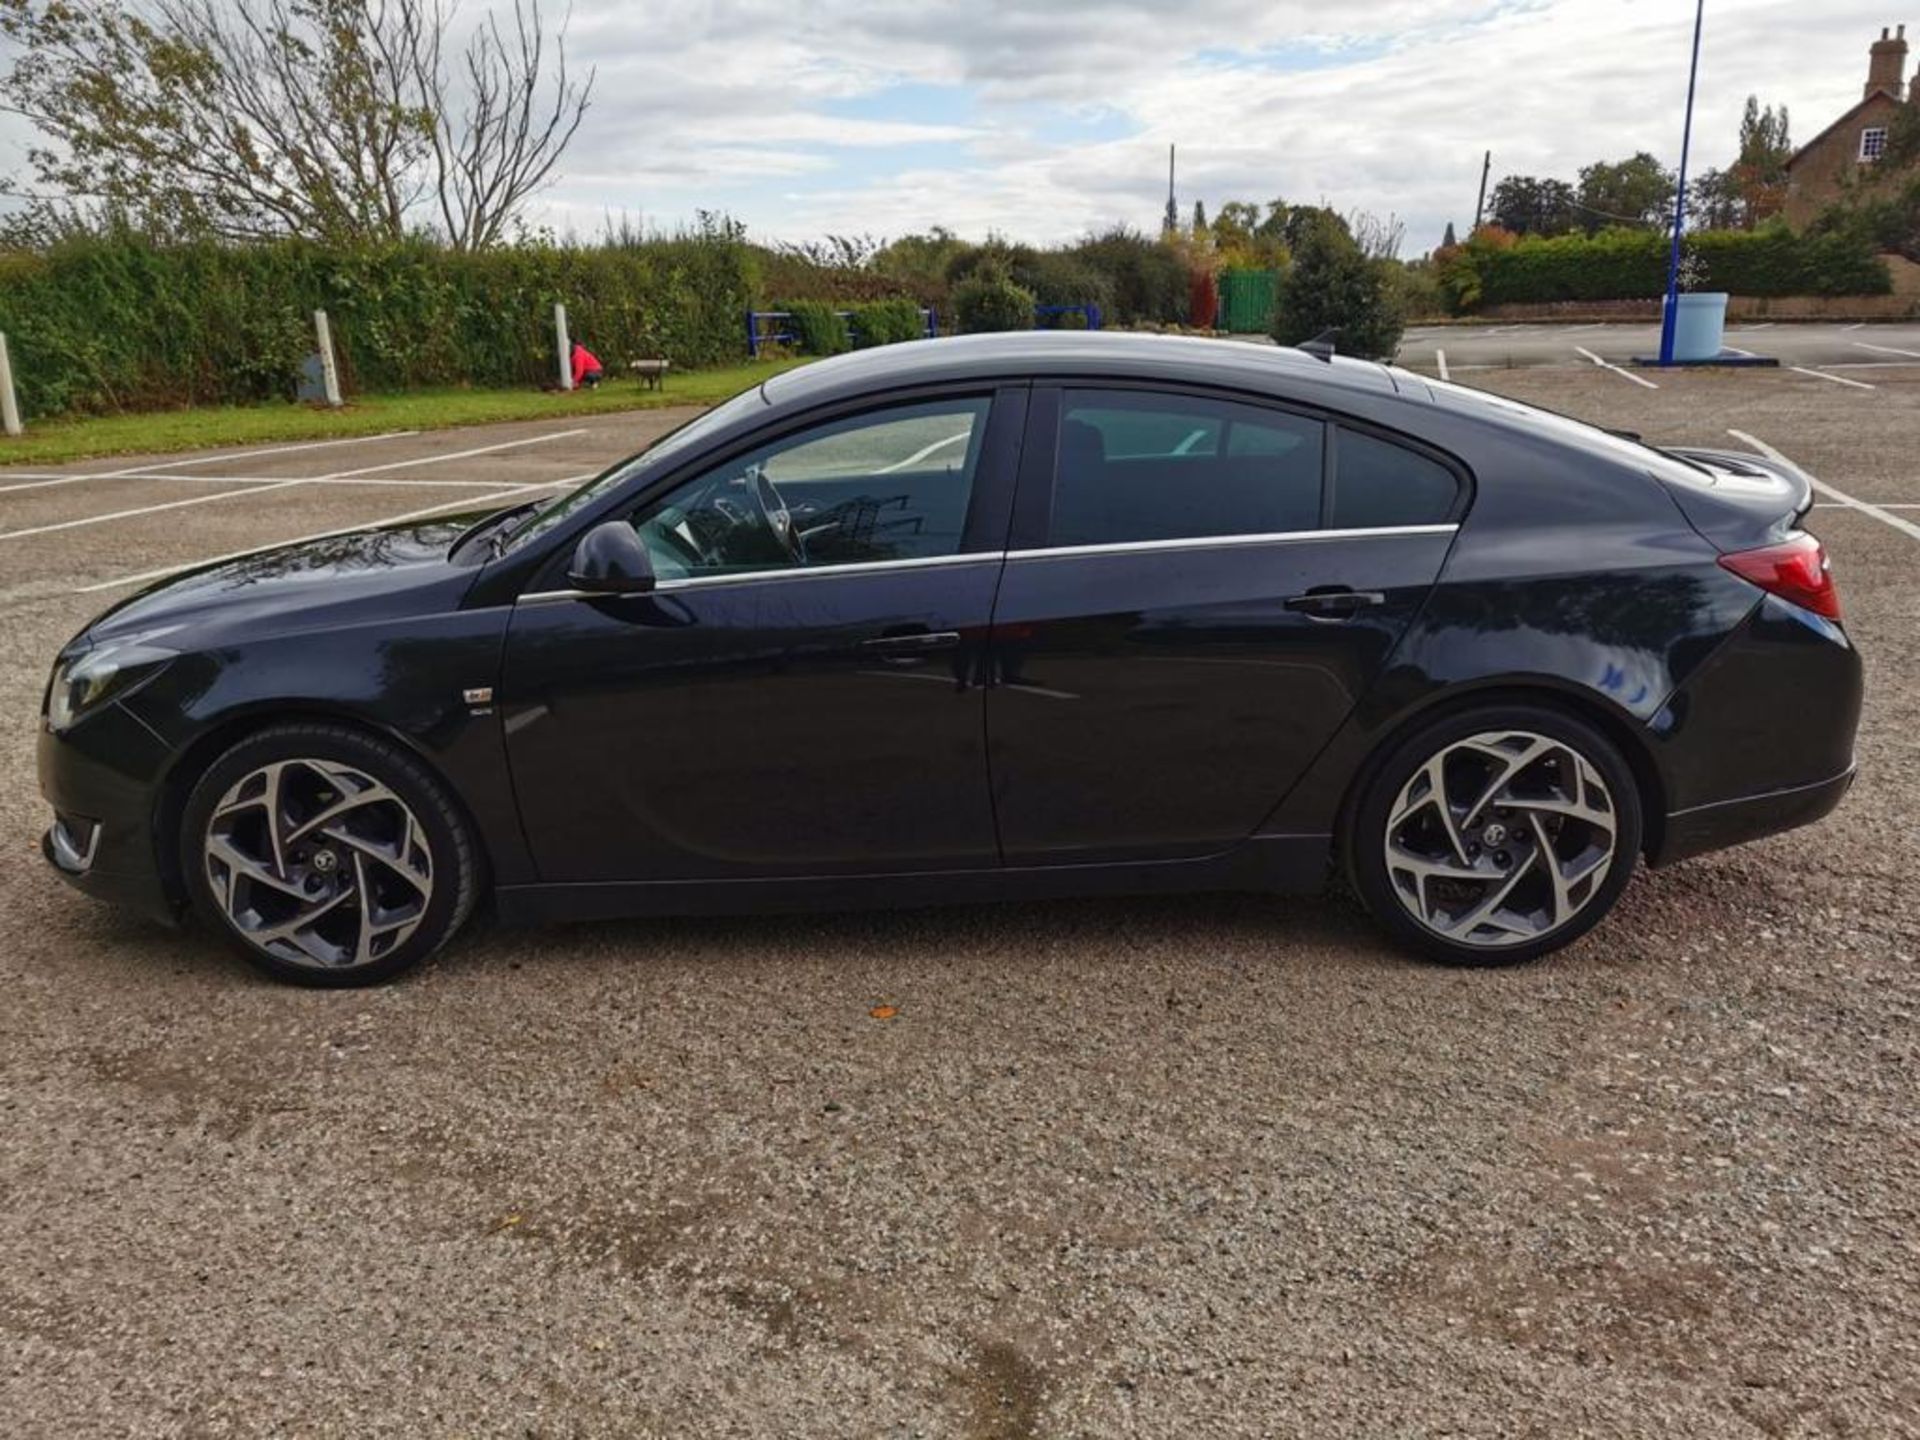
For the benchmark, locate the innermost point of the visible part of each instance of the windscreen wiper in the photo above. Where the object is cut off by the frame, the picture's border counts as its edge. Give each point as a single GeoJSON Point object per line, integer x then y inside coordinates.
{"type": "Point", "coordinates": [488, 522]}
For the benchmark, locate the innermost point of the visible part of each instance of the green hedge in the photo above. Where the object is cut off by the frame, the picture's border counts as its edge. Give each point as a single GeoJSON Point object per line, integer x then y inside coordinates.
{"type": "Point", "coordinates": [818, 327]}
{"type": "Point", "coordinates": [887, 322]}
{"type": "Point", "coordinates": [988, 300]}
{"type": "Point", "coordinates": [120, 324]}
{"type": "Point", "coordinates": [1632, 264]}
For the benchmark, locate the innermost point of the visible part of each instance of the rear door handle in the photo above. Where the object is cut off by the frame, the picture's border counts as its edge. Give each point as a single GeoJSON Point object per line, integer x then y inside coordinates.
{"type": "Point", "coordinates": [1334, 602]}
{"type": "Point", "coordinates": [912, 642]}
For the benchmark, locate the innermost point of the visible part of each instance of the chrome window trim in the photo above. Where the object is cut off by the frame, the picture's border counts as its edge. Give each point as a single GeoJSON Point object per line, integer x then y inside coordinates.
{"type": "Point", "coordinates": [1218, 542]}
{"type": "Point", "coordinates": [975, 557]}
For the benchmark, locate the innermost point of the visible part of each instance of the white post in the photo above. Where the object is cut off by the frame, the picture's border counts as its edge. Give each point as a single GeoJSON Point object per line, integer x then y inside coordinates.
{"type": "Point", "coordinates": [561, 347]}
{"type": "Point", "coordinates": [9, 406]}
{"type": "Point", "coordinates": [329, 371]}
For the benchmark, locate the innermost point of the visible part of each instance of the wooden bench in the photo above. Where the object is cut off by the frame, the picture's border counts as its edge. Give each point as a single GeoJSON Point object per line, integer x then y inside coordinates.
{"type": "Point", "coordinates": [650, 372]}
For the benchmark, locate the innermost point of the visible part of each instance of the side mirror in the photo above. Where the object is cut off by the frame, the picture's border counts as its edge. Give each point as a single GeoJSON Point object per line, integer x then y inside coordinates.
{"type": "Point", "coordinates": [611, 560]}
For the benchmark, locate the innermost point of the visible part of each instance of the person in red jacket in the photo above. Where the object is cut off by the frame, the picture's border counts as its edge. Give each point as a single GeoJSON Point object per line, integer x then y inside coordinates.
{"type": "Point", "coordinates": [586, 367]}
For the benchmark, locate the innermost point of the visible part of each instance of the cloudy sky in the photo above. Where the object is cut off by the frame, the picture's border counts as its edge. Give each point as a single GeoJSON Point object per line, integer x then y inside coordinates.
{"type": "Point", "coordinates": [803, 117]}
{"type": "Point", "coordinates": [1041, 120]}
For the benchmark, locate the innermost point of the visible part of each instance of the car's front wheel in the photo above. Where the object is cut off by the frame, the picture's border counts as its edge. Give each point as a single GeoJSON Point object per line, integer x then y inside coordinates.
{"type": "Point", "coordinates": [327, 856]}
{"type": "Point", "coordinates": [1495, 835]}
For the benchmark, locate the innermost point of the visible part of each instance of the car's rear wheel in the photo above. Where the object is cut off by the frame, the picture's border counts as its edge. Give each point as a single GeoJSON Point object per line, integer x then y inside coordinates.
{"type": "Point", "coordinates": [1495, 835]}
{"type": "Point", "coordinates": [327, 856]}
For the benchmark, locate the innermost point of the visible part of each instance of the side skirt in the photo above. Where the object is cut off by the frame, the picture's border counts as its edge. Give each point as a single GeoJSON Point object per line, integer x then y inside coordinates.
{"type": "Point", "coordinates": [1278, 864]}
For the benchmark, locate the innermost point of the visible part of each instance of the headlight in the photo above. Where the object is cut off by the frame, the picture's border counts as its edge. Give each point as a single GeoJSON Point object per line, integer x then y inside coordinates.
{"type": "Point", "coordinates": [95, 676]}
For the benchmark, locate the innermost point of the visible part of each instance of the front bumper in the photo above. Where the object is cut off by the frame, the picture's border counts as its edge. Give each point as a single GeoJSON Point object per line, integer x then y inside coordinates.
{"type": "Point", "coordinates": [102, 779]}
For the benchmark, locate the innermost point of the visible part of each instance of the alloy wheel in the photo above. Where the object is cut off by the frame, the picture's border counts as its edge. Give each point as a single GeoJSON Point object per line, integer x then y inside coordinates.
{"type": "Point", "coordinates": [1500, 838]}
{"type": "Point", "coordinates": [318, 864]}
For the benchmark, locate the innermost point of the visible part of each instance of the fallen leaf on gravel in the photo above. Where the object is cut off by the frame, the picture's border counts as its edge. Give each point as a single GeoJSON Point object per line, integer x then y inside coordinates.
{"type": "Point", "coordinates": [883, 1012]}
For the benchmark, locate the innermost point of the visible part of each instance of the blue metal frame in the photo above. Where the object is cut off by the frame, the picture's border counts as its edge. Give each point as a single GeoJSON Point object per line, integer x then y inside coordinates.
{"type": "Point", "coordinates": [783, 334]}
{"type": "Point", "coordinates": [1091, 311]}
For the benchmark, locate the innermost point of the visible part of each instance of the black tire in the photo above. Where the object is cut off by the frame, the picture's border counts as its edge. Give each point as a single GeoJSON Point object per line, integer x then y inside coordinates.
{"type": "Point", "coordinates": [453, 870]}
{"type": "Point", "coordinates": [1365, 842]}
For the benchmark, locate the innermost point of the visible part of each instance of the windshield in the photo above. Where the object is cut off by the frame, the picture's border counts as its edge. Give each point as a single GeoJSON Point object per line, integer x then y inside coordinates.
{"type": "Point", "coordinates": [670, 444]}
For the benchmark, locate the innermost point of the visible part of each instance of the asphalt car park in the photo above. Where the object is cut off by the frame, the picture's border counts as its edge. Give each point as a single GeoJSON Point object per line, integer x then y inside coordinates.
{"type": "Point", "coordinates": [1214, 1166]}
{"type": "Point", "coordinates": [1845, 354]}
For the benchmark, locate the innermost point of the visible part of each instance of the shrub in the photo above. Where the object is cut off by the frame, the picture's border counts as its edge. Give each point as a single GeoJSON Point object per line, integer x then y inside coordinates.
{"type": "Point", "coordinates": [818, 328]}
{"type": "Point", "coordinates": [1203, 298]}
{"type": "Point", "coordinates": [886, 322]}
{"type": "Point", "coordinates": [785, 272]}
{"type": "Point", "coordinates": [1147, 279]}
{"type": "Point", "coordinates": [1418, 288]}
{"type": "Point", "coordinates": [1885, 221]}
{"type": "Point", "coordinates": [1057, 278]}
{"type": "Point", "coordinates": [1331, 284]}
{"type": "Point", "coordinates": [989, 300]}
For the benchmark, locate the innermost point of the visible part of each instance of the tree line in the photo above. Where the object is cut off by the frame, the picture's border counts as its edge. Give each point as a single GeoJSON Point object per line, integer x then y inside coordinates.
{"type": "Point", "coordinates": [1638, 192]}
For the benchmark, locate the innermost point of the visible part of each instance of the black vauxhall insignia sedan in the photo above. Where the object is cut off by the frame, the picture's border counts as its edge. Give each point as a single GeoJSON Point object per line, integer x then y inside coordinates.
{"type": "Point", "coordinates": [1003, 616]}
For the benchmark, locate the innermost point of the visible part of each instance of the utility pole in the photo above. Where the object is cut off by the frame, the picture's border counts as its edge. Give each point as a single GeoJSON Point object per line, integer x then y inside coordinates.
{"type": "Point", "coordinates": [1480, 205]}
{"type": "Point", "coordinates": [329, 366]}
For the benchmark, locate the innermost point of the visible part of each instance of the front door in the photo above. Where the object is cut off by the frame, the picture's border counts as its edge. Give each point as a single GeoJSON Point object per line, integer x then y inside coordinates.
{"type": "Point", "coordinates": [799, 695]}
{"type": "Point", "coordinates": [1202, 591]}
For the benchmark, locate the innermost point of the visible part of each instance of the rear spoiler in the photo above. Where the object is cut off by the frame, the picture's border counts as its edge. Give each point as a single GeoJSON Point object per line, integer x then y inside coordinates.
{"type": "Point", "coordinates": [1742, 499]}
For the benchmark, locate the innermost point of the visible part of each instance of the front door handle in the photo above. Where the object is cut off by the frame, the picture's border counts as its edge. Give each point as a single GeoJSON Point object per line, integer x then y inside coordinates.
{"type": "Point", "coordinates": [1334, 602]}
{"type": "Point", "coordinates": [912, 642]}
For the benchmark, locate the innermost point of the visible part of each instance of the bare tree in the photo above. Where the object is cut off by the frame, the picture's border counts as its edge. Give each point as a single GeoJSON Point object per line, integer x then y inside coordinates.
{"type": "Point", "coordinates": [341, 120]}
{"type": "Point", "coordinates": [1378, 239]}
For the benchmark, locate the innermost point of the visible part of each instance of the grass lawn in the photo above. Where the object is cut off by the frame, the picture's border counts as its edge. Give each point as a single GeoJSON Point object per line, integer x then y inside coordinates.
{"type": "Point", "coordinates": [75, 438]}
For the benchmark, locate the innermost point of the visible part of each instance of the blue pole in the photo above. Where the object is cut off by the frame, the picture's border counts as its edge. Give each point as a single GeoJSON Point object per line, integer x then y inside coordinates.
{"type": "Point", "coordinates": [1670, 313]}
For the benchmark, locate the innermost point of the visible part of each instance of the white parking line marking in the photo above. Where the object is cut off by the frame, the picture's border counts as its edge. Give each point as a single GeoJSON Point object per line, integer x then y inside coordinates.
{"type": "Point", "coordinates": [1878, 505]}
{"type": "Point", "coordinates": [278, 450]}
{"type": "Point", "coordinates": [1763, 325]}
{"type": "Point", "coordinates": [1609, 365]}
{"type": "Point", "coordinates": [1836, 379]}
{"type": "Point", "coordinates": [309, 479]}
{"type": "Point", "coordinates": [141, 510]}
{"type": "Point", "coordinates": [49, 478]}
{"type": "Point", "coordinates": [1440, 358]}
{"type": "Point", "coordinates": [1857, 325]}
{"type": "Point", "coordinates": [1887, 349]}
{"type": "Point", "coordinates": [1576, 329]}
{"type": "Point", "coordinates": [475, 501]}
{"type": "Point", "coordinates": [1736, 350]}
{"type": "Point", "coordinates": [1877, 511]}
{"type": "Point", "coordinates": [282, 485]}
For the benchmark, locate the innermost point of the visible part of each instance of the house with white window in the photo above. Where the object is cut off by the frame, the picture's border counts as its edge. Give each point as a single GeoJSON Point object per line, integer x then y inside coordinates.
{"type": "Point", "coordinates": [1819, 169]}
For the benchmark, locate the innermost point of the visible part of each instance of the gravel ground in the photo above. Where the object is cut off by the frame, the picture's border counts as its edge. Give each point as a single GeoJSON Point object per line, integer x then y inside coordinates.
{"type": "Point", "coordinates": [1218, 1166]}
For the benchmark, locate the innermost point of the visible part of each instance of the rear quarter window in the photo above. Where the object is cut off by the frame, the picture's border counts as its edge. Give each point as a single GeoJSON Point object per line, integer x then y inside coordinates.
{"type": "Point", "coordinates": [1378, 484]}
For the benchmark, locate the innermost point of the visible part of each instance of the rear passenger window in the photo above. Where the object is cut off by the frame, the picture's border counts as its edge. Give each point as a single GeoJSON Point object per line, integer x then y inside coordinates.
{"type": "Point", "coordinates": [1377, 483]}
{"type": "Point", "coordinates": [1137, 465]}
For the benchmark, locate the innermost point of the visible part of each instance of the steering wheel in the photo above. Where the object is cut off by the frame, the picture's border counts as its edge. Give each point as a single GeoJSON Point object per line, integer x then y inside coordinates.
{"type": "Point", "coordinates": [772, 511]}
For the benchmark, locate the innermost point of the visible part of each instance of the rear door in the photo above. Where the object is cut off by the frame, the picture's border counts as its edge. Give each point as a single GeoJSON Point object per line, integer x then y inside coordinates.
{"type": "Point", "coordinates": [1198, 590]}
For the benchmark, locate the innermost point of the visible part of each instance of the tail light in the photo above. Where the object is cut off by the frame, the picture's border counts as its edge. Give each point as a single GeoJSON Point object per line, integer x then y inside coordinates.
{"type": "Point", "coordinates": [1796, 570]}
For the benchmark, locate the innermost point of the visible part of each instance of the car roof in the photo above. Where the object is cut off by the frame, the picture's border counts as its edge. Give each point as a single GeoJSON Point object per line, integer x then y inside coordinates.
{"type": "Point", "coordinates": [1048, 353]}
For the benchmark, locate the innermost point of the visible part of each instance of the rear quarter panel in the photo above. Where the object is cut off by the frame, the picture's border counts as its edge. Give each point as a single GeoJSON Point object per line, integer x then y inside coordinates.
{"type": "Point", "coordinates": [1572, 576]}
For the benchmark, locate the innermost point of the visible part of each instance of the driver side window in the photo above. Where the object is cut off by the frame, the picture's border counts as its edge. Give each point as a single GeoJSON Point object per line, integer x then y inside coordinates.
{"type": "Point", "coordinates": [889, 484]}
